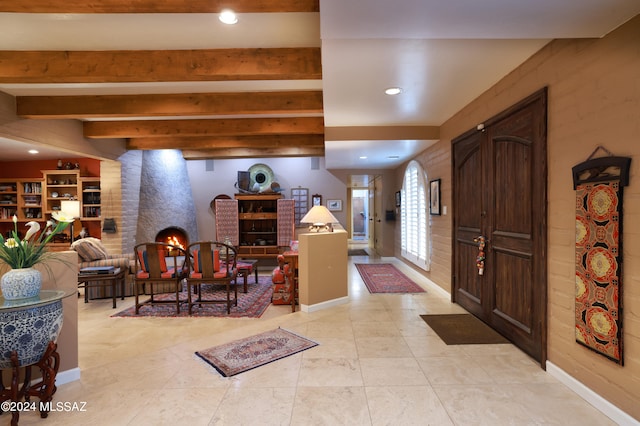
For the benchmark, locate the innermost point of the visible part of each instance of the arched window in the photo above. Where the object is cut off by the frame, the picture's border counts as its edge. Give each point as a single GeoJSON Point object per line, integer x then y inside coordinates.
{"type": "Point", "coordinates": [414, 229]}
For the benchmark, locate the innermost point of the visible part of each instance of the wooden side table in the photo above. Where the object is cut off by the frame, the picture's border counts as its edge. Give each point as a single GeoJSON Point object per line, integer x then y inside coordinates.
{"type": "Point", "coordinates": [93, 279]}
{"type": "Point", "coordinates": [244, 267]}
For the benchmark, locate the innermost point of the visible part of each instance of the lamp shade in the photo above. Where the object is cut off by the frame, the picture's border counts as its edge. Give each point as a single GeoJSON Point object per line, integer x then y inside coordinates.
{"type": "Point", "coordinates": [319, 216]}
{"type": "Point", "coordinates": [71, 207]}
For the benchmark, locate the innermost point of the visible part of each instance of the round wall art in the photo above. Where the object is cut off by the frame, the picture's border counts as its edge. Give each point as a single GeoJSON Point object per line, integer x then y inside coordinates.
{"type": "Point", "coordinates": [261, 177]}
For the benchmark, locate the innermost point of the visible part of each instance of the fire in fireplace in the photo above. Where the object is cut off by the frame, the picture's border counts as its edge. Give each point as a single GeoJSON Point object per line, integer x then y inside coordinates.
{"type": "Point", "coordinates": [173, 235]}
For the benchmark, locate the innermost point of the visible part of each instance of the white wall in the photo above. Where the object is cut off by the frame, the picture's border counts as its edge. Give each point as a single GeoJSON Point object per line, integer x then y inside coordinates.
{"type": "Point", "coordinates": [289, 173]}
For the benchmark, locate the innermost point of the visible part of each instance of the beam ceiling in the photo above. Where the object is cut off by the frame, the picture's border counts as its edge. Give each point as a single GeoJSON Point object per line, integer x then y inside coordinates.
{"type": "Point", "coordinates": [261, 120]}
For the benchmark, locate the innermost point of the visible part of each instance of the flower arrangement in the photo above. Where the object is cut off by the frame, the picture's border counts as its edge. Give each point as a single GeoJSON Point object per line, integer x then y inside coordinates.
{"type": "Point", "coordinates": [32, 249]}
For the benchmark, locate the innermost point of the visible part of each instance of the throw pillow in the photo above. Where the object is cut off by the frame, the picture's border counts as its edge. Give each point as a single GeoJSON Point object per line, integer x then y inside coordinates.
{"type": "Point", "coordinates": [88, 250]}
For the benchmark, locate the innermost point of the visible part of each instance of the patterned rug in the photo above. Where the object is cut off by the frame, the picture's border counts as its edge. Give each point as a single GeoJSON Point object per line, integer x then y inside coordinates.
{"type": "Point", "coordinates": [385, 278]}
{"type": "Point", "coordinates": [246, 354]}
{"type": "Point", "coordinates": [252, 304]}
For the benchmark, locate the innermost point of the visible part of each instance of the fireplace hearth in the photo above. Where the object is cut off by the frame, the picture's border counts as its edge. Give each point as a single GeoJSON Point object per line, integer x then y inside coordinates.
{"type": "Point", "coordinates": [173, 235]}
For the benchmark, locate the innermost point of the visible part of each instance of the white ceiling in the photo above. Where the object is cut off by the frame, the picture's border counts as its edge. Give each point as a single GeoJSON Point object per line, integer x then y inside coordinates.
{"type": "Point", "coordinates": [442, 53]}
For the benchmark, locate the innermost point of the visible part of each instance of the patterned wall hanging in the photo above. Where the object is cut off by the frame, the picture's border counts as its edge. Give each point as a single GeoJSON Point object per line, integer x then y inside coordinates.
{"type": "Point", "coordinates": [598, 183]}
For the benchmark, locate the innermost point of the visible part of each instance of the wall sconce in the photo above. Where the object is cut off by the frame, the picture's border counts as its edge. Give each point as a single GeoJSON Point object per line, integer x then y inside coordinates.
{"type": "Point", "coordinates": [320, 218]}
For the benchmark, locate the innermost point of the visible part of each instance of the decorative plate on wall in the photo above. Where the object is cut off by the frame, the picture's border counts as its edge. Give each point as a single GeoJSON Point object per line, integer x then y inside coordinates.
{"type": "Point", "coordinates": [262, 175]}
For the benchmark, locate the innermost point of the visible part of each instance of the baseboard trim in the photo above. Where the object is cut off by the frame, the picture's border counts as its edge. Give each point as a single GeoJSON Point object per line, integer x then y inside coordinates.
{"type": "Point", "coordinates": [604, 406]}
{"type": "Point", "coordinates": [324, 305]}
{"type": "Point", "coordinates": [67, 376]}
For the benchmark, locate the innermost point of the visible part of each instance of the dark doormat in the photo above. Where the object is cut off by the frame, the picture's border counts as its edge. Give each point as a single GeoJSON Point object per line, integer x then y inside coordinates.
{"type": "Point", "coordinates": [358, 252]}
{"type": "Point", "coordinates": [463, 329]}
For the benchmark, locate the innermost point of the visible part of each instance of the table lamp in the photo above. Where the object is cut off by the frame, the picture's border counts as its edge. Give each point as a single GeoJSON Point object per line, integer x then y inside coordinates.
{"type": "Point", "coordinates": [320, 218]}
{"type": "Point", "coordinates": [72, 208]}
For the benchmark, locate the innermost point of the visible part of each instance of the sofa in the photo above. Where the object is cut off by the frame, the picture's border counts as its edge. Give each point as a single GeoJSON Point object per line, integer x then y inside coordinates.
{"type": "Point", "coordinates": [91, 252]}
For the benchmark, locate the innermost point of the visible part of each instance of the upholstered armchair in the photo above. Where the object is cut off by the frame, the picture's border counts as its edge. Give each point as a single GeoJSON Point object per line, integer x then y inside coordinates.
{"type": "Point", "coordinates": [91, 252]}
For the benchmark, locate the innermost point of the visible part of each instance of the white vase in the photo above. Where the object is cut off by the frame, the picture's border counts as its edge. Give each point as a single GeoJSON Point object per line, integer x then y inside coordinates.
{"type": "Point", "coordinates": [21, 283]}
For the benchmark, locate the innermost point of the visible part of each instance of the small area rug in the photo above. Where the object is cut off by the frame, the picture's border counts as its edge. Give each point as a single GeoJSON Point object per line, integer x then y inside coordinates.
{"type": "Point", "coordinates": [246, 354]}
{"type": "Point", "coordinates": [252, 304]}
{"type": "Point", "coordinates": [463, 329]}
{"type": "Point", "coordinates": [386, 278]}
{"type": "Point", "coordinates": [357, 252]}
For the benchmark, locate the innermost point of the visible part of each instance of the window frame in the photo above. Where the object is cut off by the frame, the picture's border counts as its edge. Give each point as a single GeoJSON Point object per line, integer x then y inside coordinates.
{"type": "Point", "coordinates": [414, 216]}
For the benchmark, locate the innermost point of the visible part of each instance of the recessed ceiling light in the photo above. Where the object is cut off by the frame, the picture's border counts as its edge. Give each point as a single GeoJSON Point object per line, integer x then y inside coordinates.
{"type": "Point", "coordinates": [33, 151]}
{"type": "Point", "coordinates": [392, 91]}
{"type": "Point", "coordinates": [228, 17]}
{"type": "Point", "coordinates": [363, 157]}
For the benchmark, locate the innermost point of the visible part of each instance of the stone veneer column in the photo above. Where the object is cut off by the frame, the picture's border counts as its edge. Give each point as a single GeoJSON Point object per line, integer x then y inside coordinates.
{"type": "Point", "coordinates": [165, 196]}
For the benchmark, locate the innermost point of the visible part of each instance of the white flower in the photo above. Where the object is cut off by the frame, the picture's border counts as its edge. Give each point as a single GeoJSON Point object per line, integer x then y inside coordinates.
{"type": "Point", "coordinates": [62, 217]}
{"type": "Point", "coordinates": [15, 219]}
{"type": "Point", "coordinates": [11, 243]}
{"type": "Point", "coordinates": [34, 227]}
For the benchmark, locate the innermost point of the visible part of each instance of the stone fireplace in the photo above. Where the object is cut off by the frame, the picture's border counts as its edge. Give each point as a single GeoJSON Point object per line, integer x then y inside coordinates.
{"type": "Point", "coordinates": [158, 197]}
{"type": "Point", "coordinates": [173, 235]}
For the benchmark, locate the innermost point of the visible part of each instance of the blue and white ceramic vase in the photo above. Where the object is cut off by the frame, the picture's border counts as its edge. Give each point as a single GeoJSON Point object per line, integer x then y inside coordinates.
{"type": "Point", "coordinates": [28, 331]}
{"type": "Point", "coordinates": [21, 283]}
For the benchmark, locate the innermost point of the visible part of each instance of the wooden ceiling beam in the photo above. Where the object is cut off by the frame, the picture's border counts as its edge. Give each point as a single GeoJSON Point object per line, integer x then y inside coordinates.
{"type": "Point", "coordinates": [229, 153]}
{"type": "Point", "coordinates": [155, 6]}
{"type": "Point", "coordinates": [126, 66]}
{"type": "Point", "coordinates": [181, 104]}
{"type": "Point", "coordinates": [244, 142]}
{"type": "Point", "coordinates": [198, 127]}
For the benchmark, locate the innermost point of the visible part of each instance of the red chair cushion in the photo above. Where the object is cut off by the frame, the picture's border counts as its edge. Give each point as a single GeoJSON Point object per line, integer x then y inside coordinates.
{"type": "Point", "coordinates": [197, 261]}
{"type": "Point", "coordinates": [144, 263]}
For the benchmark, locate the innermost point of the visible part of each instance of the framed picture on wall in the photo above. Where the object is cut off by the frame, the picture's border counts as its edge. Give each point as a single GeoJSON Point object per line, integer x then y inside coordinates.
{"type": "Point", "coordinates": [316, 200]}
{"type": "Point", "coordinates": [334, 205]}
{"type": "Point", "coordinates": [398, 198]}
{"type": "Point", "coordinates": [434, 197]}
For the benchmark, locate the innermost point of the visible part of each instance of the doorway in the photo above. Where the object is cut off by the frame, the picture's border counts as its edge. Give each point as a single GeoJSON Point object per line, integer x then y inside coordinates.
{"type": "Point", "coordinates": [500, 201]}
{"type": "Point", "coordinates": [359, 214]}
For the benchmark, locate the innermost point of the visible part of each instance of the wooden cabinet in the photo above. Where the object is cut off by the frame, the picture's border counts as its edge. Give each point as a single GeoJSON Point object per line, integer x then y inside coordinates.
{"type": "Point", "coordinates": [20, 197]}
{"type": "Point", "coordinates": [91, 198]}
{"type": "Point", "coordinates": [258, 224]}
{"type": "Point", "coordinates": [258, 220]}
{"type": "Point", "coordinates": [59, 185]}
{"type": "Point", "coordinates": [37, 198]}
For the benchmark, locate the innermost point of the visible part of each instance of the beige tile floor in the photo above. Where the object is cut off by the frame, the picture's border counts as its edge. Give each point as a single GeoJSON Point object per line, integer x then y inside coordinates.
{"type": "Point", "coordinates": [377, 363]}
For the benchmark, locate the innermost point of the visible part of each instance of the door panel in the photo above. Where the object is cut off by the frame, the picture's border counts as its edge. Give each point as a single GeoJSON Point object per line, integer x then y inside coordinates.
{"type": "Point", "coordinates": [500, 193]}
{"type": "Point", "coordinates": [468, 197]}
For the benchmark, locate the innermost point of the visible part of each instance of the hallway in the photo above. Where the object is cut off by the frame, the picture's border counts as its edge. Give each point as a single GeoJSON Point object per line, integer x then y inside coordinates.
{"type": "Point", "coordinates": [377, 364]}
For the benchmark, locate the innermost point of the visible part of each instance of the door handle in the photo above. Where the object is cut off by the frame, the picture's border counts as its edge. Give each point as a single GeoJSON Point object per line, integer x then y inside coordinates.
{"type": "Point", "coordinates": [481, 241]}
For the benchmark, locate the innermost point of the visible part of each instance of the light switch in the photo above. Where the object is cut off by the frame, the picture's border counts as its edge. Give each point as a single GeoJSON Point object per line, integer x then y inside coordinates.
{"type": "Point", "coordinates": [444, 210]}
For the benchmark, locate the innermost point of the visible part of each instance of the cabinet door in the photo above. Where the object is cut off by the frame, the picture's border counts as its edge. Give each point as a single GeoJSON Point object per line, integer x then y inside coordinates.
{"type": "Point", "coordinates": [227, 221]}
{"type": "Point", "coordinates": [286, 222]}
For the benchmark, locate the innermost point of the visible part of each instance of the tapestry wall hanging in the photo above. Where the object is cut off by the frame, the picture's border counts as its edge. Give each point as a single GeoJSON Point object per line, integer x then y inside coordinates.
{"type": "Point", "coordinates": [598, 184]}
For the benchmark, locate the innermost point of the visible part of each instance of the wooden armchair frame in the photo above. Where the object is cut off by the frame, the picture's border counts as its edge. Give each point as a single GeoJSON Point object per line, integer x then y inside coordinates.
{"type": "Point", "coordinates": [152, 270]}
{"type": "Point", "coordinates": [203, 270]}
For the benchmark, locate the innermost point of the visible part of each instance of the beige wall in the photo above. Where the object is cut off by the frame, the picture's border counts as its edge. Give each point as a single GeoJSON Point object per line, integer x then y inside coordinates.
{"type": "Point", "coordinates": [322, 267]}
{"type": "Point", "coordinates": [594, 99]}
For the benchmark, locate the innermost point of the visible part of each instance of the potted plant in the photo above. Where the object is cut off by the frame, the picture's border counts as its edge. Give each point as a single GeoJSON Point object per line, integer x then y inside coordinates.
{"type": "Point", "coordinates": [23, 280]}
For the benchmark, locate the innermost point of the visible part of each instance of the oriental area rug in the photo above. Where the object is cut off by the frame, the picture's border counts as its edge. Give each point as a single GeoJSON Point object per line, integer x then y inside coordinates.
{"type": "Point", "coordinates": [246, 354]}
{"type": "Point", "coordinates": [386, 278]}
{"type": "Point", "coordinates": [251, 305]}
{"type": "Point", "coordinates": [462, 329]}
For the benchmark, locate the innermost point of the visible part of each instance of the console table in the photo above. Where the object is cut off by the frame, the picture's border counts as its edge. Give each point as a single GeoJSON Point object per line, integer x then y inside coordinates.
{"type": "Point", "coordinates": [18, 319]}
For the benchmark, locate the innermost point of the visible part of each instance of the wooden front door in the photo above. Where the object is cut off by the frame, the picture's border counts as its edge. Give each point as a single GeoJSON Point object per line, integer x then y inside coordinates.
{"type": "Point", "coordinates": [500, 194]}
